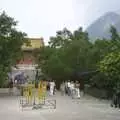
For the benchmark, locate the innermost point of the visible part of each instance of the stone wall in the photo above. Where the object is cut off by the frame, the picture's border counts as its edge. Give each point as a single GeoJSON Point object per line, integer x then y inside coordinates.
{"type": "Point", "coordinates": [99, 93]}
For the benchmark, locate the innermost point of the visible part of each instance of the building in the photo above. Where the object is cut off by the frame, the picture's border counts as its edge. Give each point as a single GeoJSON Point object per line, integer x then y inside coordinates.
{"type": "Point", "coordinates": [27, 64]}
{"type": "Point", "coordinates": [28, 59]}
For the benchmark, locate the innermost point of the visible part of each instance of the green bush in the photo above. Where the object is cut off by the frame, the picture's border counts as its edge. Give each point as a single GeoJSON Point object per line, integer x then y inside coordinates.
{"type": "Point", "coordinates": [110, 66]}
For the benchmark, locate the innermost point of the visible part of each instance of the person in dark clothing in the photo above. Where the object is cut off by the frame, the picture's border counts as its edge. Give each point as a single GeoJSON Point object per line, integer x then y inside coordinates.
{"type": "Point", "coordinates": [11, 84]}
{"type": "Point", "coordinates": [11, 87]}
{"type": "Point", "coordinates": [116, 100]}
{"type": "Point", "coordinates": [48, 86]}
{"type": "Point", "coordinates": [36, 84]}
{"type": "Point", "coordinates": [54, 88]}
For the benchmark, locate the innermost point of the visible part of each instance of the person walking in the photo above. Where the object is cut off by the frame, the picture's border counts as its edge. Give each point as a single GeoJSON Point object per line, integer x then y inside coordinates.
{"type": "Point", "coordinates": [48, 85]}
{"type": "Point", "coordinates": [68, 88]}
{"type": "Point", "coordinates": [52, 85]}
{"type": "Point", "coordinates": [72, 89]}
{"type": "Point", "coordinates": [54, 90]}
{"type": "Point", "coordinates": [62, 88]}
{"type": "Point", "coordinates": [77, 87]}
{"type": "Point", "coordinates": [11, 87]}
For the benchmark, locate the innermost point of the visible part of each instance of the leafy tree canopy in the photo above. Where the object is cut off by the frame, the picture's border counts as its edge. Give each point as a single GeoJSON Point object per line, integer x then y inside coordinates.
{"type": "Point", "coordinates": [11, 41]}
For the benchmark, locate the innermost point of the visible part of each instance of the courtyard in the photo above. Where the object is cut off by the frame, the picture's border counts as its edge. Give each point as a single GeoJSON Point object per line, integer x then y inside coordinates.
{"type": "Point", "coordinates": [87, 108]}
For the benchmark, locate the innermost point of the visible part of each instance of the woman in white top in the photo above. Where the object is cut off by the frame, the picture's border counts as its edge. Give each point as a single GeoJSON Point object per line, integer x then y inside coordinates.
{"type": "Point", "coordinates": [52, 85]}
{"type": "Point", "coordinates": [77, 86]}
{"type": "Point", "coordinates": [72, 88]}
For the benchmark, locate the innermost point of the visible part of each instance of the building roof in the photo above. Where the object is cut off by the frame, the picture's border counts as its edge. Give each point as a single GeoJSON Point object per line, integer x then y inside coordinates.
{"type": "Point", "coordinates": [34, 44]}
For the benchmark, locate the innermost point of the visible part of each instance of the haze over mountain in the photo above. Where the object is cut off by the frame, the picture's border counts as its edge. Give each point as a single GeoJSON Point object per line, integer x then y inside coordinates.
{"type": "Point", "coordinates": [101, 27]}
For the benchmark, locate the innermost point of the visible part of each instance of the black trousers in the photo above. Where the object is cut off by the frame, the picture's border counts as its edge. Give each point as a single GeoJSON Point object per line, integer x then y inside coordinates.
{"type": "Point", "coordinates": [116, 101]}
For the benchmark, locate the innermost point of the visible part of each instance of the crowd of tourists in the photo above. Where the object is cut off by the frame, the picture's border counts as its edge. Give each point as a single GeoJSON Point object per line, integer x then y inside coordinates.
{"type": "Point", "coordinates": [70, 88]}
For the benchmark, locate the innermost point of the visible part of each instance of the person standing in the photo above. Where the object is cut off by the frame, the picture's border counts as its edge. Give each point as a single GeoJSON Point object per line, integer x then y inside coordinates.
{"type": "Point", "coordinates": [72, 89]}
{"type": "Point", "coordinates": [77, 87]}
{"type": "Point", "coordinates": [15, 89]}
{"type": "Point", "coordinates": [27, 79]}
{"type": "Point", "coordinates": [48, 85]}
{"type": "Point", "coordinates": [68, 88]}
{"type": "Point", "coordinates": [11, 87]}
{"type": "Point", "coordinates": [62, 88]}
{"type": "Point", "coordinates": [52, 86]}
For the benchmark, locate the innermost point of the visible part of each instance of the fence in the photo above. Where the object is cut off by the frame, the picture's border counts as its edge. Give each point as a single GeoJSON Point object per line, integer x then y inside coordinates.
{"type": "Point", "coordinates": [36, 98]}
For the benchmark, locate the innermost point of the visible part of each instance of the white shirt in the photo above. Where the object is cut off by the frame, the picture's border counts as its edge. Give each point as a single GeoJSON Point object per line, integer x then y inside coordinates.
{"type": "Point", "coordinates": [72, 86]}
{"type": "Point", "coordinates": [52, 84]}
{"type": "Point", "coordinates": [68, 84]}
{"type": "Point", "coordinates": [15, 81]}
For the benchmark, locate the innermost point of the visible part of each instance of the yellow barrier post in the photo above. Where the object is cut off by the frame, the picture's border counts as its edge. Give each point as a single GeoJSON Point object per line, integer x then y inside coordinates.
{"type": "Point", "coordinates": [30, 95]}
{"type": "Point", "coordinates": [41, 92]}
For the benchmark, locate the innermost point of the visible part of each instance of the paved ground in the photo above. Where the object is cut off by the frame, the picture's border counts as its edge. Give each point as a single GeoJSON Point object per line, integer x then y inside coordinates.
{"type": "Point", "coordinates": [87, 108]}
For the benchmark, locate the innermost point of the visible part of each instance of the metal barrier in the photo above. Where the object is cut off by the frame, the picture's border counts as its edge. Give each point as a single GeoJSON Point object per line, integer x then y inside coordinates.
{"type": "Point", "coordinates": [36, 98]}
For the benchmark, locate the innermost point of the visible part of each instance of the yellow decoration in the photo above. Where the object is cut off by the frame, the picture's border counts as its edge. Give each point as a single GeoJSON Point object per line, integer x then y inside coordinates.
{"type": "Point", "coordinates": [29, 92]}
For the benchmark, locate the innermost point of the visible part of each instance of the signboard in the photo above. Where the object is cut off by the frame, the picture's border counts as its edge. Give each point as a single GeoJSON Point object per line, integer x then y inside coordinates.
{"type": "Point", "coordinates": [26, 67]}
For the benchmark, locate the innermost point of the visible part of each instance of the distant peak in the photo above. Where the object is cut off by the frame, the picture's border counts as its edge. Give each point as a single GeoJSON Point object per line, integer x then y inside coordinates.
{"type": "Point", "coordinates": [100, 27]}
{"type": "Point", "coordinates": [112, 14]}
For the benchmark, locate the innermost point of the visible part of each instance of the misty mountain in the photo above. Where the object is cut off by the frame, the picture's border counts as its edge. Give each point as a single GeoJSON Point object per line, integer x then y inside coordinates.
{"type": "Point", "coordinates": [101, 27]}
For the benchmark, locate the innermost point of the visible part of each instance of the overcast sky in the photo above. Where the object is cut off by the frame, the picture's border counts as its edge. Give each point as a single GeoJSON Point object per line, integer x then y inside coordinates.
{"type": "Point", "coordinates": [42, 18]}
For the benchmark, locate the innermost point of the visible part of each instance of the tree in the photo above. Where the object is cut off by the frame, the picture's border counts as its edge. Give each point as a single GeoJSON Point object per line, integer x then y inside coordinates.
{"type": "Point", "coordinates": [106, 52]}
{"type": "Point", "coordinates": [99, 50]}
{"type": "Point", "coordinates": [110, 66]}
{"type": "Point", "coordinates": [110, 63]}
{"type": "Point", "coordinates": [102, 47]}
{"type": "Point", "coordinates": [61, 39]}
{"type": "Point", "coordinates": [114, 34]}
{"type": "Point", "coordinates": [11, 41]}
{"type": "Point", "coordinates": [115, 39]}
{"type": "Point", "coordinates": [66, 53]}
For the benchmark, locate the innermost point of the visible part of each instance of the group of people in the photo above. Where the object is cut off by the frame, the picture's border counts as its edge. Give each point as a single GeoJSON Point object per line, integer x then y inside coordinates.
{"type": "Point", "coordinates": [70, 88]}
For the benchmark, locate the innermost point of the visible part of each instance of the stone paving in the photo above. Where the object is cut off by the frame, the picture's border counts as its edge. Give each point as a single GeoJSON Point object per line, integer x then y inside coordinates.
{"type": "Point", "coordinates": [87, 108]}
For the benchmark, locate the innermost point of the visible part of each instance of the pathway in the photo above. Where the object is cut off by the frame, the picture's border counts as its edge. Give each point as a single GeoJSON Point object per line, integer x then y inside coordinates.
{"type": "Point", "coordinates": [87, 108]}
